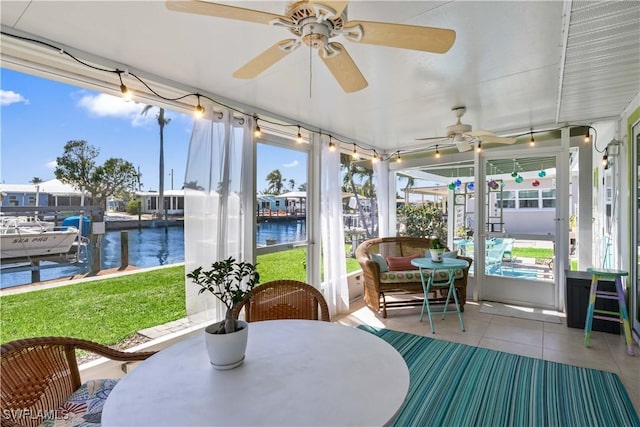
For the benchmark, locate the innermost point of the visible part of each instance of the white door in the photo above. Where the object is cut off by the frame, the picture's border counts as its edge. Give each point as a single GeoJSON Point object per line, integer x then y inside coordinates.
{"type": "Point", "coordinates": [518, 227]}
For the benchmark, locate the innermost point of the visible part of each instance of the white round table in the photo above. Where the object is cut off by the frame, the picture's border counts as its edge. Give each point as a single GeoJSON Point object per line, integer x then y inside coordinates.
{"type": "Point", "coordinates": [296, 373]}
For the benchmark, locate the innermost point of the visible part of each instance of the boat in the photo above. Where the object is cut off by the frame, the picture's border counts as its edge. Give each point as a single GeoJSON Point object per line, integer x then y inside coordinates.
{"type": "Point", "coordinates": [19, 239]}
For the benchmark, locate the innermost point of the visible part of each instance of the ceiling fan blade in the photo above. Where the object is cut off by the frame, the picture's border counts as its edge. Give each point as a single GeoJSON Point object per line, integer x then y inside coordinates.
{"type": "Point", "coordinates": [337, 5]}
{"type": "Point", "coordinates": [428, 39]}
{"type": "Point", "coordinates": [486, 136]}
{"type": "Point", "coordinates": [266, 59]}
{"type": "Point", "coordinates": [497, 139]}
{"type": "Point", "coordinates": [463, 145]}
{"type": "Point", "coordinates": [343, 68]}
{"type": "Point", "coordinates": [443, 138]}
{"type": "Point", "coordinates": [222, 11]}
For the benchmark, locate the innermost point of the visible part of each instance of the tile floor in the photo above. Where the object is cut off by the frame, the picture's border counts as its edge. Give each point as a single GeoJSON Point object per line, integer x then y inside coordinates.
{"type": "Point", "coordinates": [549, 341]}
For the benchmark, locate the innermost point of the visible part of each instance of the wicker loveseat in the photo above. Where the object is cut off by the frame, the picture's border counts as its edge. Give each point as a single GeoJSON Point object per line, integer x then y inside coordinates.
{"type": "Point", "coordinates": [378, 285]}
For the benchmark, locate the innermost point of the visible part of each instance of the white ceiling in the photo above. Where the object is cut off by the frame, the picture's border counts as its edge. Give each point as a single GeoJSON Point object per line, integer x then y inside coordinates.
{"type": "Point", "coordinates": [515, 65]}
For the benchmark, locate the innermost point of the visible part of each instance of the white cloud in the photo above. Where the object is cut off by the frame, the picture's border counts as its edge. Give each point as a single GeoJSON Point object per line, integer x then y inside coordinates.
{"type": "Point", "coordinates": [291, 165]}
{"type": "Point", "coordinates": [8, 97]}
{"type": "Point", "coordinates": [52, 164]}
{"type": "Point", "coordinates": [103, 105]}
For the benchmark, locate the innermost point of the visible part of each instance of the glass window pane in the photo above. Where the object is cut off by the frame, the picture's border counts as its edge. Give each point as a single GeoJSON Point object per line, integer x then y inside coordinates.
{"type": "Point", "coordinates": [528, 194]}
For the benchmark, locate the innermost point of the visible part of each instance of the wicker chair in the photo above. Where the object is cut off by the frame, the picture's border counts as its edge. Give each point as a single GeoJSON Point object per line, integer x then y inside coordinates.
{"type": "Point", "coordinates": [40, 374]}
{"type": "Point", "coordinates": [283, 299]}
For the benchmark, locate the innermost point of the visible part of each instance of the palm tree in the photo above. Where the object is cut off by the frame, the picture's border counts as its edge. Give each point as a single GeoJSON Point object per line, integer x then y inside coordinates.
{"type": "Point", "coordinates": [292, 184]}
{"type": "Point", "coordinates": [353, 170]}
{"type": "Point", "coordinates": [36, 180]}
{"type": "Point", "coordinates": [275, 182]}
{"type": "Point", "coordinates": [162, 122]}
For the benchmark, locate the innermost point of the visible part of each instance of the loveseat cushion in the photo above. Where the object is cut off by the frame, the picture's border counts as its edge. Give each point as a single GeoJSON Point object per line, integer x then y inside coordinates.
{"type": "Point", "coordinates": [401, 263]}
{"type": "Point", "coordinates": [84, 406]}
{"type": "Point", "coordinates": [412, 276]}
{"type": "Point", "coordinates": [384, 267]}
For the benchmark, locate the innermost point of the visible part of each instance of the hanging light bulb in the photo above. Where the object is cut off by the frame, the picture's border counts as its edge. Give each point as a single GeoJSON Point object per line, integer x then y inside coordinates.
{"type": "Point", "coordinates": [605, 160]}
{"type": "Point", "coordinates": [332, 145]}
{"type": "Point", "coordinates": [374, 159]}
{"type": "Point", "coordinates": [354, 153]}
{"type": "Point", "coordinates": [299, 136]}
{"type": "Point", "coordinates": [437, 153]}
{"type": "Point", "coordinates": [257, 132]}
{"type": "Point", "coordinates": [199, 111]}
{"type": "Point", "coordinates": [587, 136]}
{"type": "Point", "coordinates": [398, 159]}
{"type": "Point", "coordinates": [532, 141]}
{"type": "Point", "coordinates": [479, 147]}
{"type": "Point", "coordinates": [126, 93]}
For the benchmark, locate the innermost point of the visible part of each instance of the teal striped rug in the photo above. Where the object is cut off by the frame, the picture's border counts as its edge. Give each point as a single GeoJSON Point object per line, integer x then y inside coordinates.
{"type": "Point", "coordinates": [460, 385]}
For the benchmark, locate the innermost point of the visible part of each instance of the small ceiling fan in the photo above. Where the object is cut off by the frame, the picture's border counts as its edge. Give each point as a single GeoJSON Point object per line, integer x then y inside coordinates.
{"type": "Point", "coordinates": [316, 24]}
{"type": "Point", "coordinates": [463, 137]}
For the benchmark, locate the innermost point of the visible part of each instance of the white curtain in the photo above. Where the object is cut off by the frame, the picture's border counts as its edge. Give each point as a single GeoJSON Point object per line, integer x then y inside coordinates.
{"type": "Point", "coordinates": [381, 176]}
{"type": "Point", "coordinates": [334, 285]}
{"type": "Point", "coordinates": [219, 200]}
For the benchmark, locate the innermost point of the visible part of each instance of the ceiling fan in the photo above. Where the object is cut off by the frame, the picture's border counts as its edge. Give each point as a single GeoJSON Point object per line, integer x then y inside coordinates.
{"type": "Point", "coordinates": [316, 23]}
{"type": "Point", "coordinates": [463, 137]}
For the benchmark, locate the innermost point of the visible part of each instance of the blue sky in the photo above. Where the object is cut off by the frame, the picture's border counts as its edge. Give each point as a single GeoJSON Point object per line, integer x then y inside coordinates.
{"type": "Point", "coordinates": [39, 116]}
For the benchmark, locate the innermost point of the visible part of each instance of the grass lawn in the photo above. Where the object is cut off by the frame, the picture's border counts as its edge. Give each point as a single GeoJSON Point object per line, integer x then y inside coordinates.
{"type": "Point", "coordinates": [107, 311]}
{"type": "Point", "coordinates": [113, 309]}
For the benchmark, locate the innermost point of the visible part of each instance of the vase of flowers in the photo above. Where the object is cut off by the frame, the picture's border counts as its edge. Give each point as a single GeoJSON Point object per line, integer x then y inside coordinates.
{"type": "Point", "coordinates": [229, 281]}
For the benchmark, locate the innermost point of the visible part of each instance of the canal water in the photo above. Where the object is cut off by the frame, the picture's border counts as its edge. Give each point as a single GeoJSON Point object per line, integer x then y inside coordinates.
{"type": "Point", "coordinates": [151, 247]}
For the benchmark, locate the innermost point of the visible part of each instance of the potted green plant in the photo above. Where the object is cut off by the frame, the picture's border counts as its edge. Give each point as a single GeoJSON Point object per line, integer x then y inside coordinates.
{"type": "Point", "coordinates": [229, 281]}
{"type": "Point", "coordinates": [436, 250]}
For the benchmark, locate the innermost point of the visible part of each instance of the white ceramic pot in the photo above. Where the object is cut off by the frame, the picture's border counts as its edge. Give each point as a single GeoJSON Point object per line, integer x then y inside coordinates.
{"type": "Point", "coordinates": [226, 351]}
{"type": "Point", "coordinates": [436, 255]}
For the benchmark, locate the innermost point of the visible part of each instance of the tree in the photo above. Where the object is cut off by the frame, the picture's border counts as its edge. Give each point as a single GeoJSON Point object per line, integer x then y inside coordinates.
{"type": "Point", "coordinates": [292, 184]}
{"type": "Point", "coordinates": [36, 180]}
{"type": "Point", "coordinates": [353, 170]}
{"type": "Point", "coordinates": [302, 187]}
{"type": "Point", "coordinates": [77, 166]}
{"type": "Point", "coordinates": [162, 122]}
{"type": "Point", "coordinates": [411, 182]}
{"type": "Point", "coordinates": [276, 183]}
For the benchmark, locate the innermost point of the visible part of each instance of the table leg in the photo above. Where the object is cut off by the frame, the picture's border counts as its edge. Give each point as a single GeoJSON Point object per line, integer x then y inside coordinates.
{"type": "Point", "coordinates": [452, 290]}
{"type": "Point", "coordinates": [426, 288]}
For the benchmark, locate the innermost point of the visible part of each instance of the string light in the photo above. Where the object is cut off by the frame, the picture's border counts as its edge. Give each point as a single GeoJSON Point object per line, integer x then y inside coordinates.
{"type": "Point", "coordinates": [199, 112]}
{"type": "Point", "coordinates": [605, 159]}
{"type": "Point", "coordinates": [354, 154]}
{"type": "Point", "coordinates": [332, 145]}
{"type": "Point", "coordinates": [257, 132]}
{"type": "Point", "coordinates": [374, 159]}
{"type": "Point", "coordinates": [532, 141]}
{"type": "Point", "coordinates": [199, 109]}
{"type": "Point", "coordinates": [126, 93]}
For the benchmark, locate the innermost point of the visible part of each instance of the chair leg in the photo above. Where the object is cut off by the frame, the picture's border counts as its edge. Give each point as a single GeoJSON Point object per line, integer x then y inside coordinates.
{"type": "Point", "coordinates": [624, 317]}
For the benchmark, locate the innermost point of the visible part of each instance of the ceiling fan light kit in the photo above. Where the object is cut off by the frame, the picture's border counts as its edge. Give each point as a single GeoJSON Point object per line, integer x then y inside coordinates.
{"type": "Point", "coordinates": [317, 24]}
